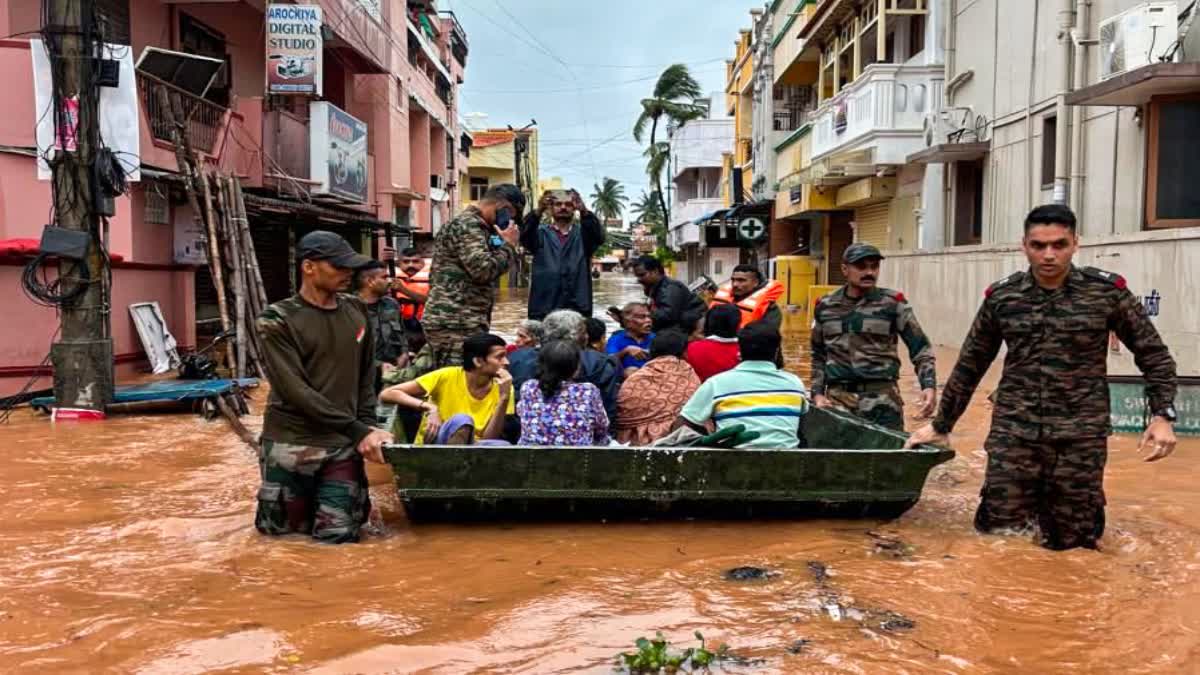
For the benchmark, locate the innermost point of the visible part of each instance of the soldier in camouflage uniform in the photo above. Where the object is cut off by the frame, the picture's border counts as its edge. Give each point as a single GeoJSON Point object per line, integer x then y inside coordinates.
{"type": "Point", "coordinates": [855, 364]}
{"type": "Point", "coordinates": [386, 320]}
{"type": "Point", "coordinates": [318, 427]}
{"type": "Point", "coordinates": [470, 255]}
{"type": "Point", "coordinates": [1048, 442]}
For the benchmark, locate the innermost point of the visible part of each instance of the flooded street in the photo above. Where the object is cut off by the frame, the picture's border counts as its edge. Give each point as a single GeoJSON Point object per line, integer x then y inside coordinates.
{"type": "Point", "coordinates": [128, 546]}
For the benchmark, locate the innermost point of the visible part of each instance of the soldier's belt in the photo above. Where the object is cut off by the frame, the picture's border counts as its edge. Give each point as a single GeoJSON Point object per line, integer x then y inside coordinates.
{"type": "Point", "coordinates": [872, 387]}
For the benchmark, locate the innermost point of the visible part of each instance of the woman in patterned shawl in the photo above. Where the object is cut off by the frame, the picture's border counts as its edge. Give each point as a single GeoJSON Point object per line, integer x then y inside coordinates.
{"type": "Point", "coordinates": [650, 400]}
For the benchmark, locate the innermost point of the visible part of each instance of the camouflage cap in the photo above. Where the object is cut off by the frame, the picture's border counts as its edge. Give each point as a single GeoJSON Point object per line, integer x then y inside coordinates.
{"type": "Point", "coordinates": [860, 251]}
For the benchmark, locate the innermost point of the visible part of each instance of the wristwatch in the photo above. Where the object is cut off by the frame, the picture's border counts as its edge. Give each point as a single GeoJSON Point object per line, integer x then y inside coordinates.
{"type": "Point", "coordinates": [1168, 413]}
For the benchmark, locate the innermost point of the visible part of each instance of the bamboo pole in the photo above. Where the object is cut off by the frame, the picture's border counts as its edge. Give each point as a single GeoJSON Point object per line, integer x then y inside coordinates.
{"type": "Point", "coordinates": [244, 224]}
{"type": "Point", "coordinates": [235, 263]}
{"type": "Point", "coordinates": [238, 428]}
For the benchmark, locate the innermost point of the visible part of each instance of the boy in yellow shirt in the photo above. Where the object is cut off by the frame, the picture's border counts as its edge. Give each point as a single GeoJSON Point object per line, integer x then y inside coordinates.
{"type": "Point", "coordinates": [480, 389]}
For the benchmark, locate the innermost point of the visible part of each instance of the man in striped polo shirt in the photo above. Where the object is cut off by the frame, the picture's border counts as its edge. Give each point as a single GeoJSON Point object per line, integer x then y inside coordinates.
{"type": "Point", "coordinates": [756, 394]}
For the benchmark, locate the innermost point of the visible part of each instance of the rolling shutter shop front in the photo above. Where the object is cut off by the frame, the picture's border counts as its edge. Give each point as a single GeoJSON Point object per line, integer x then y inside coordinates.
{"type": "Point", "coordinates": [872, 225]}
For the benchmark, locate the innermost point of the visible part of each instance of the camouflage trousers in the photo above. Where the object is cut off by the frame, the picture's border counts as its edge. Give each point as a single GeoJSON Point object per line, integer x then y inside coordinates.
{"type": "Point", "coordinates": [446, 345]}
{"type": "Point", "coordinates": [1053, 487]}
{"type": "Point", "coordinates": [307, 490]}
{"type": "Point", "coordinates": [884, 408]}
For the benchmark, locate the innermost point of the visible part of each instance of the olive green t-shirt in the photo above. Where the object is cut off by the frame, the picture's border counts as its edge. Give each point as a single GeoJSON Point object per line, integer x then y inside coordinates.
{"type": "Point", "coordinates": [320, 363]}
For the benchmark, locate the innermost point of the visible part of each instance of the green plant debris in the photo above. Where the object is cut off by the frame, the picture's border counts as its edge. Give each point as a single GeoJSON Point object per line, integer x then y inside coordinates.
{"type": "Point", "coordinates": [659, 655]}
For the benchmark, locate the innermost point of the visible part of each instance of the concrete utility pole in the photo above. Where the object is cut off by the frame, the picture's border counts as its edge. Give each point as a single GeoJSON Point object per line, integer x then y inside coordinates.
{"type": "Point", "coordinates": [83, 356]}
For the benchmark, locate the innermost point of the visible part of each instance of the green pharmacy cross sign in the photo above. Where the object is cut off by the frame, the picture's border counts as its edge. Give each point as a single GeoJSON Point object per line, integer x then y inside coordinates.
{"type": "Point", "coordinates": [751, 229]}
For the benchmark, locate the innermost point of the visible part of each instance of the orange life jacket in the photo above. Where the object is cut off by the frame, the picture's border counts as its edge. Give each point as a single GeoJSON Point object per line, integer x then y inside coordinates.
{"type": "Point", "coordinates": [754, 306]}
{"type": "Point", "coordinates": [418, 283]}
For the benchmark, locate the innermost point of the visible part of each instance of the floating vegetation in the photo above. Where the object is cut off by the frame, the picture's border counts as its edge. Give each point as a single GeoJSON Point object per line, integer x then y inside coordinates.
{"type": "Point", "coordinates": [659, 655]}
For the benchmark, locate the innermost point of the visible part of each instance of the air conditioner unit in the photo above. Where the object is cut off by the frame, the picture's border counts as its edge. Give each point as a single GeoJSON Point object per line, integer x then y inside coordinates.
{"type": "Point", "coordinates": [1138, 37]}
{"type": "Point", "coordinates": [937, 129]}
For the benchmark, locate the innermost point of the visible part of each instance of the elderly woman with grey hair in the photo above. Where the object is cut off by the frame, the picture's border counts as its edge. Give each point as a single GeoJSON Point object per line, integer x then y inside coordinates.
{"type": "Point", "coordinates": [529, 335]}
{"type": "Point", "coordinates": [594, 367]}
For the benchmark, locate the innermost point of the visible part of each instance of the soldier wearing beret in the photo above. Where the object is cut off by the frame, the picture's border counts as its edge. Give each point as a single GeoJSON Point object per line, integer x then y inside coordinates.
{"type": "Point", "coordinates": [1050, 426]}
{"type": "Point", "coordinates": [855, 362]}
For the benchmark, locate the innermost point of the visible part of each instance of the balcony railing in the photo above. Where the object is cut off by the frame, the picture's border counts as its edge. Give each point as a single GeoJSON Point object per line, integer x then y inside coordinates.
{"type": "Point", "coordinates": [885, 98]}
{"type": "Point", "coordinates": [164, 103]}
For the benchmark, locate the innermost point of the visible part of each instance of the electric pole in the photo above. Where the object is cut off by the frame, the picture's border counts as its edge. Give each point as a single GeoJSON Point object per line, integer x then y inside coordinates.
{"type": "Point", "coordinates": [83, 356]}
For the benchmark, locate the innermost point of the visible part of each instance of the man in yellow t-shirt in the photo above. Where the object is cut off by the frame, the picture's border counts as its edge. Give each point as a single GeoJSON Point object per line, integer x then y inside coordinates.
{"type": "Point", "coordinates": [480, 389]}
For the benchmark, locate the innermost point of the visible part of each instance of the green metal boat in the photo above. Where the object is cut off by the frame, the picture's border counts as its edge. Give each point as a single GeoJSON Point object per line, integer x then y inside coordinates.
{"type": "Point", "coordinates": [848, 468]}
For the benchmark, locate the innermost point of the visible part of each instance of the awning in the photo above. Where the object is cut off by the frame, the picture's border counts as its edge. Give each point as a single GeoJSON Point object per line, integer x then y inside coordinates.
{"type": "Point", "coordinates": [1137, 86]}
{"type": "Point", "coordinates": [758, 208]}
{"type": "Point", "coordinates": [719, 214]}
{"type": "Point", "coordinates": [951, 152]}
{"type": "Point", "coordinates": [260, 203]}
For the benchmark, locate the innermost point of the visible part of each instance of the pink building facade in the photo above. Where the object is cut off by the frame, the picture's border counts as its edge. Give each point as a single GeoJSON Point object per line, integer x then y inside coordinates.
{"type": "Point", "coordinates": [394, 66]}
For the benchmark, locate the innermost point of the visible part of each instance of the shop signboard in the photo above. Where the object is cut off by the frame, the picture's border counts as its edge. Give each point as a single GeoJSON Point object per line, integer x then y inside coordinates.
{"type": "Point", "coordinates": [338, 152]}
{"type": "Point", "coordinates": [294, 47]}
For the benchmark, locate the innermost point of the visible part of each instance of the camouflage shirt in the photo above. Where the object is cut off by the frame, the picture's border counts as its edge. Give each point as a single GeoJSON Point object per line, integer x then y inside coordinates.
{"type": "Point", "coordinates": [854, 340]}
{"type": "Point", "coordinates": [1054, 385]}
{"type": "Point", "coordinates": [466, 272]}
{"type": "Point", "coordinates": [388, 329]}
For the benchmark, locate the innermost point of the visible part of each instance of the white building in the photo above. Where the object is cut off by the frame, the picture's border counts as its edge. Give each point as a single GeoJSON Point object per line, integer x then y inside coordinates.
{"type": "Point", "coordinates": [696, 159]}
{"type": "Point", "coordinates": [1069, 104]}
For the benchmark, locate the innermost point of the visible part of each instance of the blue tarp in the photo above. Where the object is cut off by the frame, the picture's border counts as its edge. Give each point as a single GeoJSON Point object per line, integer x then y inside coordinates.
{"type": "Point", "coordinates": [168, 391]}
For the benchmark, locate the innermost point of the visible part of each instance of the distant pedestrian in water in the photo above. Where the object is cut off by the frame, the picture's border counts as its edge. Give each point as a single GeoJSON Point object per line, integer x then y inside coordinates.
{"type": "Point", "coordinates": [562, 253]}
{"type": "Point", "coordinates": [1049, 439]}
{"type": "Point", "coordinates": [319, 351]}
{"type": "Point", "coordinates": [556, 410]}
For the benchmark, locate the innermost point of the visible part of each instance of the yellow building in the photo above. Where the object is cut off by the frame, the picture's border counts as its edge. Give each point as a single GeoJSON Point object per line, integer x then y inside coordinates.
{"type": "Point", "coordinates": [739, 103]}
{"type": "Point", "coordinates": [494, 160]}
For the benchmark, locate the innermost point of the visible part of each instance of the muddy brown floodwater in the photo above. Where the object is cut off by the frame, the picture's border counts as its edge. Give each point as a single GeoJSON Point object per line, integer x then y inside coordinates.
{"type": "Point", "coordinates": [127, 547]}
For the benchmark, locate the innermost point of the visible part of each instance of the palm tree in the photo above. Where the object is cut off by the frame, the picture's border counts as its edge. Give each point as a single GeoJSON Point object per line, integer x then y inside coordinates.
{"type": "Point", "coordinates": [608, 198]}
{"type": "Point", "coordinates": [646, 209]}
{"type": "Point", "coordinates": [674, 98]}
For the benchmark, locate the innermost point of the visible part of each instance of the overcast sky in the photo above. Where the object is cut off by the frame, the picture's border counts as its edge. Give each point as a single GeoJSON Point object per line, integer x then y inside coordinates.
{"type": "Point", "coordinates": [581, 68]}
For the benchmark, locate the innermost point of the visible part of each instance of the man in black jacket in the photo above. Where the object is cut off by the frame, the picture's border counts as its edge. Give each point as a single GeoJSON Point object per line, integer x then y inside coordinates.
{"type": "Point", "coordinates": [672, 305]}
{"type": "Point", "coordinates": [562, 254]}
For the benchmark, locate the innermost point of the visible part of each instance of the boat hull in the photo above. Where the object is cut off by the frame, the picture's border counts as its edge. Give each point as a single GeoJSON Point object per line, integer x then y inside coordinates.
{"type": "Point", "coordinates": [468, 483]}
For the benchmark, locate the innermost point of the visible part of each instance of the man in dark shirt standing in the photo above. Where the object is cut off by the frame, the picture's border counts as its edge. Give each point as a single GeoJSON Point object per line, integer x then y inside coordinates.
{"type": "Point", "coordinates": [1048, 443]}
{"type": "Point", "coordinates": [562, 254]}
{"type": "Point", "coordinates": [320, 356]}
{"type": "Point", "coordinates": [672, 305]}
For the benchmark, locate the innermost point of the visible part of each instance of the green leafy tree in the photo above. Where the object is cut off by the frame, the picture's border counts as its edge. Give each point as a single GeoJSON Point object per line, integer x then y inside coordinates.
{"type": "Point", "coordinates": [646, 208]}
{"type": "Point", "coordinates": [673, 103]}
{"type": "Point", "coordinates": [608, 199]}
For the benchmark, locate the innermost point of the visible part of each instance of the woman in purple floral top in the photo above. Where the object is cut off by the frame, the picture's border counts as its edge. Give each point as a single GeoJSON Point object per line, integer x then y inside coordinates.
{"type": "Point", "coordinates": [556, 411]}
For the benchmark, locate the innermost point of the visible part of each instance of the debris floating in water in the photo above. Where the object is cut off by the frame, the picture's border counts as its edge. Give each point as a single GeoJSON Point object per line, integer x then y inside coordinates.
{"type": "Point", "coordinates": [749, 574]}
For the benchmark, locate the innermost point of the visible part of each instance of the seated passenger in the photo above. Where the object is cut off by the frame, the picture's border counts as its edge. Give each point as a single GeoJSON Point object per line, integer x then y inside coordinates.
{"type": "Point", "coordinates": [481, 388]}
{"type": "Point", "coordinates": [556, 411]}
{"type": "Point", "coordinates": [718, 351]}
{"type": "Point", "coordinates": [596, 331]}
{"type": "Point", "coordinates": [631, 345]}
{"type": "Point", "coordinates": [756, 394]}
{"type": "Point", "coordinates": [565, 324]}
{"type": "Point", "coordinates": [650, 400]}
{"type": "Point", "coordinates": [529, 336]}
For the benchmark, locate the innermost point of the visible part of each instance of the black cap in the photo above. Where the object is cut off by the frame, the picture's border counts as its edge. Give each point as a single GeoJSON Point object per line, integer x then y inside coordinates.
{"type": "Point", "coordinates": [324, 245]}
{"type": "Point", "coordinates": [860, 251]}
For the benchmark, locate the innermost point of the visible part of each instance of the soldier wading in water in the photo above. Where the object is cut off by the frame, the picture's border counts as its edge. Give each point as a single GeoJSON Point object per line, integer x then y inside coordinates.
{"type": "Point", "coordinates": [1048, 442]}
{"type": "Point", "coordinates": [320, 356]}
{"type": "Point", "coordinates": [854, 359]}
